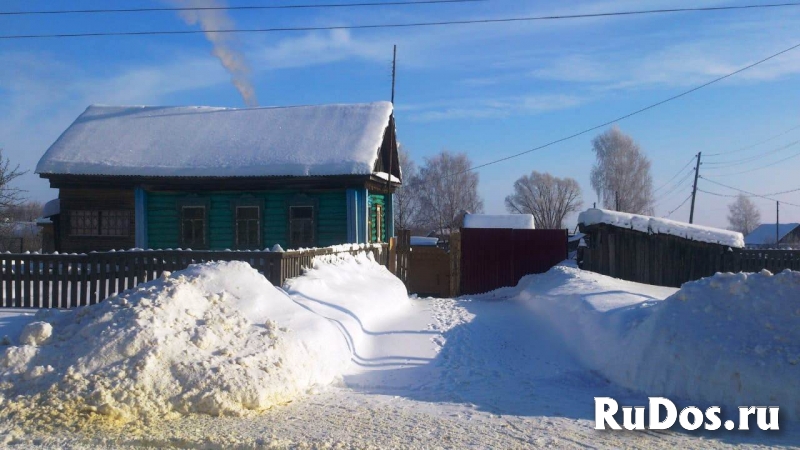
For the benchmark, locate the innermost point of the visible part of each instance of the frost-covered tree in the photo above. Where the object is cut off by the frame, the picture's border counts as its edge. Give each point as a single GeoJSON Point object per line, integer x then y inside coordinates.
{"type": "Point", "coordinates": [621, 175]}
{"type": "Point", "coordinates": [445, 187]}
{"type": "Point", "coordinates": [548, 198]}
{"type": "Point", "coordinates": [10, 196]}
{"type": "Point", "coordinates": [743, 215]}
{"type": "Point", "coordinates": [406, 198]}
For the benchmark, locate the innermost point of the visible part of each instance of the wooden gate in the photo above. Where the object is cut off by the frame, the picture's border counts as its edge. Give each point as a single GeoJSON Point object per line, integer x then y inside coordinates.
{"type": "Point", "coordinates": [429, 271]}
{"type": "Point", "coordinates": [403, 251]}
{"type": "Point", "coordinates": [493, 258]}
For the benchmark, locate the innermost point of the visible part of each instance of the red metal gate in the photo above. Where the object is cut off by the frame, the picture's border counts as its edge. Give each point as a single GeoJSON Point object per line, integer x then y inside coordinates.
{"type": "Point", "coordinates": [493, 258]}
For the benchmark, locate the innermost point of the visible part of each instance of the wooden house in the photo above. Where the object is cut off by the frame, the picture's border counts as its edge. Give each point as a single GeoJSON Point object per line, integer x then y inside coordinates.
{"type": "Point", "coordinates": [767, 234]}
{"type": "Point", "coordinates": [222, 178]}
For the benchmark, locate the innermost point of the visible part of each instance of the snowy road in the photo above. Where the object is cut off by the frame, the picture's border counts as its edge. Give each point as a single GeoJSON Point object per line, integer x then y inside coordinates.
{"type": "Point", "coordinates": [483, 372]}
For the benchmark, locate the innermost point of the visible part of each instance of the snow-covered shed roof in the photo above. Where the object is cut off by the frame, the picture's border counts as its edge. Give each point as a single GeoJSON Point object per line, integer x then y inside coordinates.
{"type": "Point", "coordinates": [655, 225]}
{"type": "Point", "coordinates": [424, 241]}
{"type": "Point", "coordinates": [512, 221]}
{"type": "Point", "coordinates": [765, 233]}
{"type": "Point", "coordinates": [51, 208]}
{"type": "Point", "coordinates": [341, 139]}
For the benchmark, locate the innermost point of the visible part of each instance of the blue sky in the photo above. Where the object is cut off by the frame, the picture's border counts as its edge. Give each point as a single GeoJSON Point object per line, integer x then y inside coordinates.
{"type": "Point", "coordinates": [487, 90]}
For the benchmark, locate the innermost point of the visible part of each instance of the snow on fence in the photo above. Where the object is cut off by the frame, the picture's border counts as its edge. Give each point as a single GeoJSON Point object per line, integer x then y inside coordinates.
{"type": "Point", "coordinates": [71, 280]}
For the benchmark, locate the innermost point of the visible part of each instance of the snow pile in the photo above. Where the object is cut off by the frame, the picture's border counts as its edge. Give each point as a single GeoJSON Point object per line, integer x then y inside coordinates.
{"type": "Point", "coordinates": [216, 142]}
{"type": "Point", "coordinates": [509, 221]}
{"type": "Point", "coordinates": [731, 338]}
{"type": "Point", "coordinates": [215, 339]}
{"type": "Point", "coordinates": [355, 292]}
{"type": "Point", "coordinates": [647, 224]}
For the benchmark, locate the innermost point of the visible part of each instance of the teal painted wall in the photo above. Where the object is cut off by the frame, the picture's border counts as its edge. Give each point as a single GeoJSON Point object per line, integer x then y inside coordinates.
{"type": "Point", "coordinates": [374, 200]}
{"type": "Point", "coordinates": [163, 220]}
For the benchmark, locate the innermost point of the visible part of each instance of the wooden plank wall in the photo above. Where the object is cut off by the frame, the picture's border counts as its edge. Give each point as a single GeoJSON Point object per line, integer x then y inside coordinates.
{"type": "Point", "coordinates": [94, 199]}
{"type": "Point", "coordinates": [71, 280]}
{"type": "Point", "coordinates": [164, 221]}
{"type": "Point", "coordinates": [667, 260]}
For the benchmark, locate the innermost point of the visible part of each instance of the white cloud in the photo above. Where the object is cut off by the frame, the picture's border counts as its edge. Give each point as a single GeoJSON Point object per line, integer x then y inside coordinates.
{"type": "Point", "coordinates": [491, 108]}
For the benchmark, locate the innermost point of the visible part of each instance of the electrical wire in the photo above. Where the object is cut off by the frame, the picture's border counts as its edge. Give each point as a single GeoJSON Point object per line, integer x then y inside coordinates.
{"type": "Point", "coordinates": [710, 155]}
{"type": "Point", "coordinates": [757, 168]}
{"type": "Point", "coordinates": [749, 193]}
{"type": "Point", "coordinates": [737, 162]}
{"type": "Point", "coordinates": [679, 206]}
{"type": "Point", "coordinates": [674, 176]}
{"type": "Point", "coordinates": [638, 111]}
{"type": "Point", "coordinates": [396, 25]}
{"type": "Point", "coordinates": [680, 184]}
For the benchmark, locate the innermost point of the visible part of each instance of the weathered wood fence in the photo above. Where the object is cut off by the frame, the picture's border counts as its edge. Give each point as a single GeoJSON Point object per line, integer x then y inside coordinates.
{"type": "Point", "coordinates": [64, 281]}
{"type": "Point", "coordinates": [667, 260]}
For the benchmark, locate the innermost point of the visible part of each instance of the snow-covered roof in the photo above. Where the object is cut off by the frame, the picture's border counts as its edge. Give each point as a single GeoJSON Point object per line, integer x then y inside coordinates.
{"type": "Point", "coordinates": [51, 208]}
{"type": "Point", "coordinates": [424, 240]}
{"type": "Point", "coordinates": [191, 141]}
{"type": "Point", "coordinates": [512, 221]}
{"type": "Point", "coordinates": [655, 225]}
{"type": "Point", "coordinates": [765, 233]}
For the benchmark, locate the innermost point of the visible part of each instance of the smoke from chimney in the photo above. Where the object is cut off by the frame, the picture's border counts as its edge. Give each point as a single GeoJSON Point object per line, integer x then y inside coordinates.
{"type": "Point", "coordinates": [224, 44]}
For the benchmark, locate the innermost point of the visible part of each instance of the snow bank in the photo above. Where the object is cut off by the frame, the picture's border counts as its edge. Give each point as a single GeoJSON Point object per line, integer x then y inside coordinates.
{"type": "Point", "coordinates": [338, 139]}
{"type": "Point", "coordinates": [357, 294]}
{"type": "Point", "coordinates": [729, 340]}
{"type": "Point", "coordinates": [647, 224]}
{"type": "Point", "coordinates": [215, 339]}
{"type": "Point", "coordinates": [511, 221]}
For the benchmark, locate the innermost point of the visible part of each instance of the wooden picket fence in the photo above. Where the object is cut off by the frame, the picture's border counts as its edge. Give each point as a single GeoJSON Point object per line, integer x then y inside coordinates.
{"type": "Point", "coordinates": [65, 281]}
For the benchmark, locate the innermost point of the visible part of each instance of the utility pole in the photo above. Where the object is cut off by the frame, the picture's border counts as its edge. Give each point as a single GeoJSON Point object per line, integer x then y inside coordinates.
{"type": "Point", "coordinates": [777, 223]}
{"type": "Point", "coordinates": [394, 66]}
{"type": "Point", "coordinates": [694, 189]}
{"type": "Point", "coordinates": [394, 142]}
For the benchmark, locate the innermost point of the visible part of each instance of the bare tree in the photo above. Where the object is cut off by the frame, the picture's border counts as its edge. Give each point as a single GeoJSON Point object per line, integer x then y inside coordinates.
{"type": "Point", "coordinates": [406, 198]}
{"type": "Point", "coordinates": [446, 187]}
{"type": "Point", "coordinates": [743, 215]}
{"type": "Point", "coordinates": [9, 196]}
{"type": "Point", "coordinates": [548, 198]}
{"type": "Point", "coordinates": [621, 176]}
{"type": "Point", "coordinates": [23, 212]}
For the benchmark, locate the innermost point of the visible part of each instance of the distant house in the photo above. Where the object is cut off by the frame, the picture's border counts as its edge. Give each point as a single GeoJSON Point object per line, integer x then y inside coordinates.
{"type": "Point", "coordinates": [223, 178]}
{"type": "Point", "coordinates": [764, 236]}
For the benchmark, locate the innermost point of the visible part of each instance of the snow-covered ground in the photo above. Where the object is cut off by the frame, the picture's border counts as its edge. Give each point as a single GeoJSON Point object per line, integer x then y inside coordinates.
{"type": "Point", "coordinates": [514, 368]}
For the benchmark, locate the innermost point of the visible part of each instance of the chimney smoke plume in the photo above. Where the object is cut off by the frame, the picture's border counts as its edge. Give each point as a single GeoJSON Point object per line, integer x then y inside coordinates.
{"type": "Point", "coordinates": [224, 45]}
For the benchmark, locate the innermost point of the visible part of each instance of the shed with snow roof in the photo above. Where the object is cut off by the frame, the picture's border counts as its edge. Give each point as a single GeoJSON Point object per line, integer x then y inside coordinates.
{"type": "Point", "coordinates": [767, 234]}
{"type": "Point", "coordinates": [652, 250]}
{"type": "Point", "coordinates": [224, 178]}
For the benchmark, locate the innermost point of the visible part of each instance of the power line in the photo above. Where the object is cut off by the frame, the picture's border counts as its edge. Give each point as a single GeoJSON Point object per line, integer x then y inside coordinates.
{"type": "Point", "coordinates": [737, 162]}
{"type": "Point", "coordinates": [679, 206]}
{"type": "Point", "coordinates": [756, 144]}
{"type": "Point", "coordinates": [231, 8]}
{"type": "Point", "coordinates": [638, 111]}
{"type": "Point", "coordinates": [758, 168]}
{"type": "Point", "coordinates": [717, 194]}
{"type": "Point", "coordinates": [398, 25]}
{"type": "Point", "coordinates": [674, 176]}
{"type": "Point", "coordinates": [748, 192]}
{"type": "Point", "coordinates": [680, 184]}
